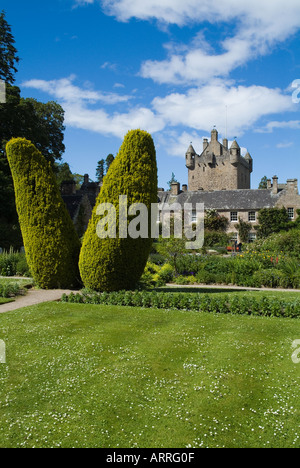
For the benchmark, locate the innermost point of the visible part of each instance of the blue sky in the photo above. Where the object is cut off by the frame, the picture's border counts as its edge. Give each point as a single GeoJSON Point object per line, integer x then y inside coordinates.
{"type": "Point", "coordinates": [168, 67]}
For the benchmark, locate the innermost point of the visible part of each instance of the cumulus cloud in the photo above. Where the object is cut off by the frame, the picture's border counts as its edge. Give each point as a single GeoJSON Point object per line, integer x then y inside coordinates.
{"type": "Point", "coordinates": [202, 108]}
{"type": "Point", "coordinates": [280, 19]}
{"type": "Point", "coordinates": [256, 26]}
{"type": "Point", "coordinates": [65, 90]}
{"type": "Point", "coordinates": [80, 112]}
{"type": "Point", "coordinates": [273, 125]}
{"type": "Point", "coordinates": [197, 109]}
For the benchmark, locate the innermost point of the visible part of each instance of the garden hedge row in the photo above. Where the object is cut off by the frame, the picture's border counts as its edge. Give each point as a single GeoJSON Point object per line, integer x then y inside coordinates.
{"type": "Point", "coordinates": [225, 304]}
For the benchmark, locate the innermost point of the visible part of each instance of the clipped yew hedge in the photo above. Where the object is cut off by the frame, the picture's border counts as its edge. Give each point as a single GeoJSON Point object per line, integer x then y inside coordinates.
{"type": "Point", "coordinates": [226, 304]}
{"type": "Point", "coordinates": [110, 264]}
{"type": "Point", "coordinates": [51, 244]}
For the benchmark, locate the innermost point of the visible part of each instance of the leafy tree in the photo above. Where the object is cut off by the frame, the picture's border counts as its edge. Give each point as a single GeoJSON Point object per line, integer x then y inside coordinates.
{"type": "Point", "coordinates": [100, 170]}
{"type": "Point", "coordinates": [44, 127]}
{"type": "Point", "coordinates": [40, 123]}
{"type": "Point", "coordinates": [272, 220]}
{"type": "Point", "coordinates": [172, 249]}
{"type": "Point", "coordinates": [110, 263]}
{"type": "Point", "coordinates": [108, 162]}
{"type": "Point", "coordinates": [8, 52]}
{"type": "Point", "coordinates": [63, 173]}
{"type": "Point", "coordinates": [263, 183]}
{"type": "Point", "coordinates": [172, 180]}
{"type": "Point", "coordinates": [51, 243]}
{"type": "Point", "coordinates": [215, 222]}
{"type": "Point", "coordinates": [244, 230]}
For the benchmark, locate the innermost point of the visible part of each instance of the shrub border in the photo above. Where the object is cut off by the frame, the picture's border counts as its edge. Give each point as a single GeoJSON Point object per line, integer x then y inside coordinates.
{"type": "Point", "coordinates": [227, 304]}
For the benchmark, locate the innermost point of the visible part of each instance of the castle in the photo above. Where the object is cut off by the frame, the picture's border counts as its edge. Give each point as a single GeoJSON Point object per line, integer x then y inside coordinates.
{"type": "Point", "coordinates": [218, 167]}
{"type": "Point", "coordinates": [220, 177]}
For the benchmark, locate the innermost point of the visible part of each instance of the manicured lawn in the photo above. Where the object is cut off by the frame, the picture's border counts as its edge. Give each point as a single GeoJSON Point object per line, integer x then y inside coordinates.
{"type": "Point", "coordinates": [106, 376]}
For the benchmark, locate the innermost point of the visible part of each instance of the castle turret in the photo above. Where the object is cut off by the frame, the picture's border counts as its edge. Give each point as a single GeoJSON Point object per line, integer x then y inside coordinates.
{"type": "Point", "coordinates": [218, 166]}
{"type": "Point", "coordinates": [190, 157]}
{"type": "Point", "coordinates": [214, 135]}
{"type": "Point", "coordinates": [235, 152]}
{"type": "Point", "coordinates": [250, 161]}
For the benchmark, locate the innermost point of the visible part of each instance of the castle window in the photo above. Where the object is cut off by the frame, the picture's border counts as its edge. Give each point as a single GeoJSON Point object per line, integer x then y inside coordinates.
{"type": "Point", "coordinates": [252, 237]}
{"type": "Point", "coordinates": [234, 216]}
{"type": "Point", "coordinates": [251, 216]}
{"type": "Point", "coordinates": [291, 213]}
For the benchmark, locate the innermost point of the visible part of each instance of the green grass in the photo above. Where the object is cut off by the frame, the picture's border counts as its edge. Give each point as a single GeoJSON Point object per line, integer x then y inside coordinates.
{"type": "Point", "coordinates": [104, 376]}
{"type": "Point", "coordinates": [4, 300]}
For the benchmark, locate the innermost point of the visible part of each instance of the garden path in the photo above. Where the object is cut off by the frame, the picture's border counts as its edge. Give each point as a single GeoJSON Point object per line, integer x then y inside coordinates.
{"type": "Point", "coordinates": [38, 296]}
{"type": "Point", "coordinates": [227, 286]}
{"type": "Point", "coordinates": [33, 297]}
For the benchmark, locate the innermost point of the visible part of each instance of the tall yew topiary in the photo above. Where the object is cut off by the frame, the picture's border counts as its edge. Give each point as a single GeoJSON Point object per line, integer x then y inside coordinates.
{"type": "Point", "coordinates": [110, 264]}
{"type": "Point", "coordinates": [51, 244]}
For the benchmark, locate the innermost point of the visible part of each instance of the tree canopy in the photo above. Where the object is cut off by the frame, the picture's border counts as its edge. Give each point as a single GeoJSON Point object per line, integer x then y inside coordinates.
{"type": "Point", "coordinates": [41, 123]}
{"type": "Point", "coordinates": [8, 52]}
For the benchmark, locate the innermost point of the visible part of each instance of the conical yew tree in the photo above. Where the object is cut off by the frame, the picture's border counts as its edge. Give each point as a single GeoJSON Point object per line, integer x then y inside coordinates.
{"type": "Point", "coordinates": [116, 246]}
{"type": "Point", "coordinates": [51, 243]}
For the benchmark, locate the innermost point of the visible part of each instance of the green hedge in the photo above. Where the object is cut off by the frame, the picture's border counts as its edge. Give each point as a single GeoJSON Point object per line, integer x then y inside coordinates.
{"type": "Point", "coordinates": [227, 304]}
{"type": "Point", "coordinates": [51, 243]}
{"type": "Point", "coordinates": [110, 264]}
{"type": "Point", "coordinates": [10, 290]}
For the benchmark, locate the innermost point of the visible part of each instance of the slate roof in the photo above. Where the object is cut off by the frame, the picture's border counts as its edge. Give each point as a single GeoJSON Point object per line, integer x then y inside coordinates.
{"type": "Point", "coordinates": [225, 200]}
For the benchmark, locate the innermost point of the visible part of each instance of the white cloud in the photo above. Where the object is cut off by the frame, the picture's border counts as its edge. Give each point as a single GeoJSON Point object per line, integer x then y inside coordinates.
{"type": "Point", "coordinates": [79, 113]}
{"type": "Point", "coordinates": [66, 91]}
{"type": "Point", "coordinates": [256, 27]}
{"type": "Point", "coordinates": [202, 108]}
{"type": "Point", "coordinates": [288, 144]}
{"type": "Point", "coordinates": [279, 16]}
{"type": "Point", "coordinates": [273, 125]}
{"type": "Point", "coordinates": [199, 109]}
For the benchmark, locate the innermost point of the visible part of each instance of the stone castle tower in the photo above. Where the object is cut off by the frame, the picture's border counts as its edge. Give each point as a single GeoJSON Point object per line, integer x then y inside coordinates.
{"type": "Point", "coordinates": [218, 167]}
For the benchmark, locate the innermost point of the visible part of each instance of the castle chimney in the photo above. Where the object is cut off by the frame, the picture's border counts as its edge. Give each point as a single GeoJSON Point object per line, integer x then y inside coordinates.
{"type": "Point", "coordinates": [184, 188]}
{"type": "Point", "coordinates": [68, 187]}
{"type": "Point", "coordinates": [225, 143]}
{"type": "Point", "coordinates": [269, 184]}
{"type": "Point", "coordinates": [275, 185]}
{"type": "Point", "coordinates": [175, 188]}
{"type": "Point", "coordinates": [292, 185]}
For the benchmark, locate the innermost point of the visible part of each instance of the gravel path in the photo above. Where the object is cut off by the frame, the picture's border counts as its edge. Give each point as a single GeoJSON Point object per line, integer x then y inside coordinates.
{"type": "Point", "coordinates": [33, 297]}
{"type": "Point", "coordinates": [237, 288]}
{"type": "Point", "coordinates": [38, 296]}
